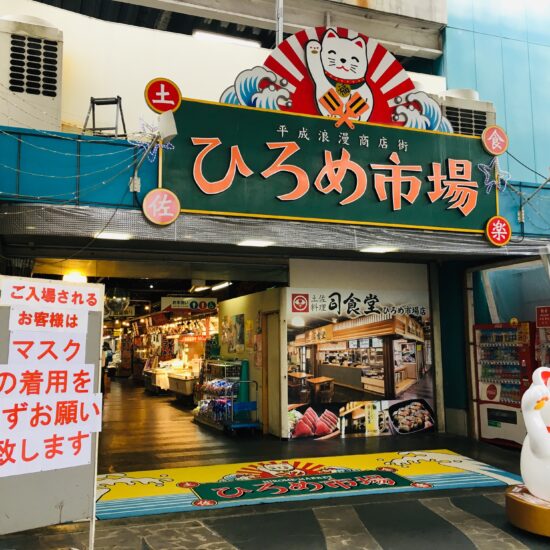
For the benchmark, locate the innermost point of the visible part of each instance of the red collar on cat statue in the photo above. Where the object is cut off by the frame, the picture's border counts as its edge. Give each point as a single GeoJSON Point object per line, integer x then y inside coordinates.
{"type": "Point", "coordinates": [348, 81]}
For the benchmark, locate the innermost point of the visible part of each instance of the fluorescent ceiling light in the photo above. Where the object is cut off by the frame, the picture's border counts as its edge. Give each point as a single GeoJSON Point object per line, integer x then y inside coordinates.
{"type": "Point", "coordinates": [226, 39]}
{"type": "Point", "coordinates": [113, 236]}
{"type": "Point", "coordinates": [379, 249]}
{"type": "Point", "coordinates": [200, 288]}
{"type": "Point", "coordinates": [297, 322]}
{"type": "Point", "coordinates": [255, 242]}
{"type": "Point", "coordinates": [75, 277]}
{"type": "Point", "coordinates": [222, 285]}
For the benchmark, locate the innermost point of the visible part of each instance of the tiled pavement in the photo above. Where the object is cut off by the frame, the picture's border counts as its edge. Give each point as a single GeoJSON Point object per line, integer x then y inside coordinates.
{"type": "Point", "coordinates": [450, 520]}
{"type": "Point", "coordinates": [438, 520]}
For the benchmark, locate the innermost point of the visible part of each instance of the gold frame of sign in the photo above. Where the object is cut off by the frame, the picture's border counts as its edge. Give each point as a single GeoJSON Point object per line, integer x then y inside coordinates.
{"type": "Point", "coordinates": [524, 511]}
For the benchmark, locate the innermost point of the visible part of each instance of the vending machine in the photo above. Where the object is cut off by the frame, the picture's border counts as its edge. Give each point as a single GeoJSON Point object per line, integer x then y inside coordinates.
{"type": "Point", "coordinates": [504, 363]}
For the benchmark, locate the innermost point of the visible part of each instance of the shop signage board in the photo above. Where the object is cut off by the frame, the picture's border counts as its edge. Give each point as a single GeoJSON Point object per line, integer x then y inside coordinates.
{"type": "Point", "coordinates": [195, 305]}
{"type": "Point", "coordinates": [543, 316]}
{"type": "Point", "coordinates": [370, 348]}
{"type": "Point", "coordinates": [51, 406]}
{"type": "Point", "coordinates": [239, 161]}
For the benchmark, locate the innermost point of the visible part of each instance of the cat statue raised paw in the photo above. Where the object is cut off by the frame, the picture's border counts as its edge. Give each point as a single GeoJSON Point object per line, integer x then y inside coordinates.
{"type": "Point", "coordinates": [340, 64]}
{"type": "Point", "coordinates": [535, 454]}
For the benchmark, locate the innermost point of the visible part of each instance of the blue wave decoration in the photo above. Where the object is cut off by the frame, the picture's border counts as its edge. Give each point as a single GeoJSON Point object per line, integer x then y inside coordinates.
{"type": "Point", "coordinates": [247, 91]}
{"type": "Point", "coordinates": [429, 117]}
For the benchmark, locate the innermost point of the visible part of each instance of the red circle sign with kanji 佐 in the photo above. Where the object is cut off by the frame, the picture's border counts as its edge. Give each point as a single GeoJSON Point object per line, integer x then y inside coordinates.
{"type": "Point", "coordinates": [498, 231]}
{"type": "Point", "coordinates": [161, 207]}
{"type": "Point", "coordinates": [494, 140]}
{"type": "Point", "coordinates": [161, 94]}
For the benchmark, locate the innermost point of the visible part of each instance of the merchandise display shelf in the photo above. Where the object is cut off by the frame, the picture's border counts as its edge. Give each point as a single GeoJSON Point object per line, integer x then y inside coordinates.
{"type": "Point", "coordinates": [209, 422]}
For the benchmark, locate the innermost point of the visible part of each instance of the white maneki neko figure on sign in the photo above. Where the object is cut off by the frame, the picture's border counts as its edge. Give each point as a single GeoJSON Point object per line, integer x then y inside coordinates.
{"type": "Point", "coordinates": [535, 454]}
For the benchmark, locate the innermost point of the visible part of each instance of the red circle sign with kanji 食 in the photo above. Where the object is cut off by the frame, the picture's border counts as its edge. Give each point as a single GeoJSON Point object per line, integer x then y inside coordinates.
{"type": "Point", "coordinates": [494, 140]}
{"type": "Point", "coordinates": [498, 231]}
{"type": "Point", "coordinates": [161, 94]}
{"type": "Point", "coordinates": [161, 206]}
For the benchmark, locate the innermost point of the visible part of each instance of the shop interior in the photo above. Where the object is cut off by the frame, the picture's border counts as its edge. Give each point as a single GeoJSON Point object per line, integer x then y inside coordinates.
{"type": "Point", "coordinates": [182, 368]}
{"type": "Point", "coordinates": [365, 359]}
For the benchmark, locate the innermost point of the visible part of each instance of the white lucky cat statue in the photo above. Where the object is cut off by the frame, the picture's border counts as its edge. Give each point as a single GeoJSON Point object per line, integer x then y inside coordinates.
{"type": "Point", "coordinates": [340, 64]}
{"type": "Point", "coordinates": [535, 454]}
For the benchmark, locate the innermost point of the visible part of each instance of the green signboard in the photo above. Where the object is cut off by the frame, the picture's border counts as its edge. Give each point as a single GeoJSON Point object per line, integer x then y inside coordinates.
{"type": "Point", "coordinates": [239, 161]}
{"type": "Point", "coordinates": [341, 482]}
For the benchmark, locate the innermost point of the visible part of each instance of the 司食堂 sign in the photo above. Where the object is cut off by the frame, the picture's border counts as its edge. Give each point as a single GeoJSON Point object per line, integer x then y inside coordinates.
{"type": "Point", "coordinates": [242, 161]}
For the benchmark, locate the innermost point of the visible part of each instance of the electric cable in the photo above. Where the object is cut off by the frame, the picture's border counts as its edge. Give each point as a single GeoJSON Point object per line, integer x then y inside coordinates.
{"type": "Point", "coordinates": [29, 144]}
{"type": "Point", "coordinates": [525, 165]}
{"type": "Point", "coordinates": [68, 201]}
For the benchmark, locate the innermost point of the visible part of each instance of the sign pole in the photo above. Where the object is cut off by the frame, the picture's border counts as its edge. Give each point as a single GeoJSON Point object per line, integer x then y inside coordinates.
{"type": "Point", "coordinates": [95, 450]}
{"type": "Point", "coordinates": [91, 542]}
{"type": "Point", "coordinates": [160, 152]}
{"type": "Point", "coordinates": [279, 21]}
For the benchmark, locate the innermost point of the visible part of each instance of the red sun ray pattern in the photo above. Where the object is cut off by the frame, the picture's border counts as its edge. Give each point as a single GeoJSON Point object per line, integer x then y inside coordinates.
{"type": "Point", "coordinates": [385, 76]}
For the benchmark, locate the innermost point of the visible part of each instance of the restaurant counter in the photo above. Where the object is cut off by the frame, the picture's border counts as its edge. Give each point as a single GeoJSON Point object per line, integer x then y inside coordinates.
{"type": "Point", "coordinates": [345, 376]}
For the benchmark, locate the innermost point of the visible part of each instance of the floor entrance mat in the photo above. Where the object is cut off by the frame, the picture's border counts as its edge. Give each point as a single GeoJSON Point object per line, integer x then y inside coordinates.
{"type": "Point", "coordinates": [184, 489]}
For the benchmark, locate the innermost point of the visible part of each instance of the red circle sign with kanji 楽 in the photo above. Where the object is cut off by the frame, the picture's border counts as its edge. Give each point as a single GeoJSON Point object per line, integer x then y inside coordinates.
{"type": "Point", "coordinates": [161, 94]}
{"type": "Point", "coordinates": [494, 140]}
{"type": "Point", "coordinates": [161, 207]}
{"type": "Point", "coordinates": [498, 231]}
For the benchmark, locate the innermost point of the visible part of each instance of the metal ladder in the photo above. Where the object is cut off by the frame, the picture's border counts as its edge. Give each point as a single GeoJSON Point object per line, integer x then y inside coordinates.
{"type": "Point", "coordinates": [100, 102]}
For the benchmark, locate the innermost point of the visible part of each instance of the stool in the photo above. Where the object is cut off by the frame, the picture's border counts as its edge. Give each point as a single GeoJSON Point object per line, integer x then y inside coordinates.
{"type": "Point", "coordinates": [304, 395]}
{"type": "Point", "coordinates": [326, 392]}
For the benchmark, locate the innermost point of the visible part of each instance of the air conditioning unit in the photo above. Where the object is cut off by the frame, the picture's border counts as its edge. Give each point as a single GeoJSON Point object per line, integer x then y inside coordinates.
{"type": "Point", "coordinates": [466, 113]}
{"type": "Point", "coordinates": [31, 51]}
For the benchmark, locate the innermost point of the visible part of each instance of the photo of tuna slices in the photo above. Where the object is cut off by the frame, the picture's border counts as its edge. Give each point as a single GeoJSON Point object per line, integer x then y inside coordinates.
{"type": "Point", "coordinates": [311, 424]}
{"type": "Point", "coordinates": [328, 423]}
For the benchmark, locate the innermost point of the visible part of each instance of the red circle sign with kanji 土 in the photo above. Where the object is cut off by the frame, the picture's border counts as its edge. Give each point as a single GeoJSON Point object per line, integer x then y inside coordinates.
{"type": "Point", "coordinates": [494, 140]}
{"type": "Point", "coordinates": [161, 206]}
{"type": "Point", "coordinates": [161, 94]}
{"type": "Point", "coordinates": [498, 231]}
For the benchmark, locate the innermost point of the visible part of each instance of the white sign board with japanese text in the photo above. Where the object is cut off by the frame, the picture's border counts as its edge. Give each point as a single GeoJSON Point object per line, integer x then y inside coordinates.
{"type": "Point", "coordinates": [55, 294]}
{"type": "Point", "coordinates": [194, 304]}
{"type": "Point", "coordinates": [51, 405]}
